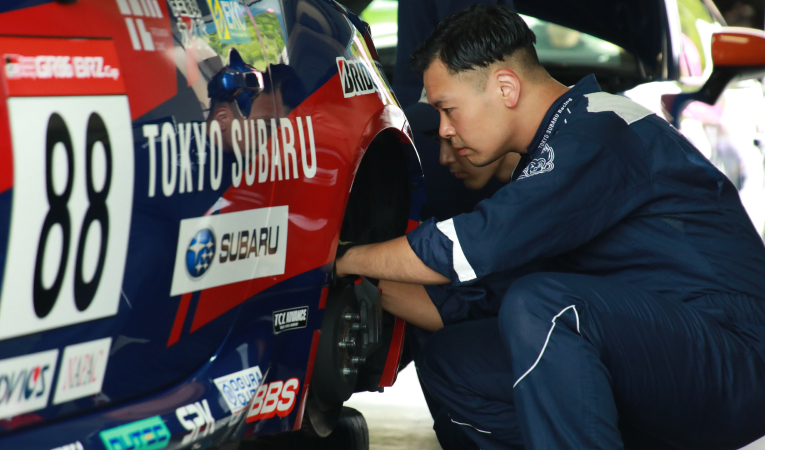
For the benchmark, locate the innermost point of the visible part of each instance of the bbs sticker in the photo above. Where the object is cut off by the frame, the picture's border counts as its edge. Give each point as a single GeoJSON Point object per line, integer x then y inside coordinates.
{"type": "Point", "coordinates": [71, 211]}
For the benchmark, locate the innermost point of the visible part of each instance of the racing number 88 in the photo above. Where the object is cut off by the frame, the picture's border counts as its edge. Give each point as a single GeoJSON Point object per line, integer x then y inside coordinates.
{"type": "Point", "coordinates": [57, 133]}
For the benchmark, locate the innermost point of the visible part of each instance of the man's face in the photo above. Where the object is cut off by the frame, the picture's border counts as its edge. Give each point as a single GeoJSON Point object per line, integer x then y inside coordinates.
{"type": "Point", "coordinates": [473, 177]}
{"type": "Point", "coordinates": [473, 121]}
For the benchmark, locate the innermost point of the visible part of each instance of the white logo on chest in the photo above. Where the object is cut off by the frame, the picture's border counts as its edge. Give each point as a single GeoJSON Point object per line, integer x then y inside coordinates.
{"type": "Point", "coordinates": [539, 165]}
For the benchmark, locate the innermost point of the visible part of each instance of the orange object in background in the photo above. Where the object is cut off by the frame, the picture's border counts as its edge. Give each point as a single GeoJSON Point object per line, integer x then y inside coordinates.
{"type": "Point", "coordinates": [737, 47]}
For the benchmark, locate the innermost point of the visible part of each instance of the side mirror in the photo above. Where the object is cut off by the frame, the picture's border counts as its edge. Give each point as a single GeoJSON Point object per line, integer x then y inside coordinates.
{"type": "Point", "coordinates": [737, 54]}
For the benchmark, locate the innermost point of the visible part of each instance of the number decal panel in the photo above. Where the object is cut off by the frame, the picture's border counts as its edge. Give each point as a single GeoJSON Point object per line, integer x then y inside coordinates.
{"type": "Point", "coordinates": [71, 211]}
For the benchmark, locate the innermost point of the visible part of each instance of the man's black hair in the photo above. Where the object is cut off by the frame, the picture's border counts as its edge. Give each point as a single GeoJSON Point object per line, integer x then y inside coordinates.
{"type": "Point", "coordinates": [476, 37]}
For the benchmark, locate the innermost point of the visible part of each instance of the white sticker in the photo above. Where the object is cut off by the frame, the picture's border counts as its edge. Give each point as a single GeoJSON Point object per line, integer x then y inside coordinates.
{"type": "Point", "coordinates": [25, 382]}
{"type": "Point", "coordinates": [238, 388]}
{"type": "Point", "coordinates": [227, 248]}
{"type": "Point", "coordinates": [83, 367]}
{"type": "Point", "coordinates": [71, 212]}
{"type": "Point", "coordinates": [195, 417]}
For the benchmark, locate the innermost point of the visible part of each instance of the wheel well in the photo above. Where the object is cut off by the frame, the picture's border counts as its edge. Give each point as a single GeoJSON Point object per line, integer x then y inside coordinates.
{"type": "Point", "coordinates": [380, 198]}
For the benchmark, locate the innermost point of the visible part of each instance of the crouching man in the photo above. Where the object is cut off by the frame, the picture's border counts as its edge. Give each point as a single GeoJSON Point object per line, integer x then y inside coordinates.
{"type": "Point", "coordinates": [638, 320]}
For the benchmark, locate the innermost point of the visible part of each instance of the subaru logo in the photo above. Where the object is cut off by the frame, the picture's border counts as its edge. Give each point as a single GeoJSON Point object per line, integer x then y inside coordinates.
{"type": "Point", "coordinates": [200, 253]}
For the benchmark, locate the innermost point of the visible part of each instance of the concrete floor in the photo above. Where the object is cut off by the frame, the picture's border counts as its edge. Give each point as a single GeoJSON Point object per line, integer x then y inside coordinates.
{"type": "Point", "coordinates": [398, 418]}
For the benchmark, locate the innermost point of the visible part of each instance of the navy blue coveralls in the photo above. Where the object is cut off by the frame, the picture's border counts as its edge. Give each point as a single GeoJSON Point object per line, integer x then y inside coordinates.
{"type": "Point", "coordinates": [641, 321]}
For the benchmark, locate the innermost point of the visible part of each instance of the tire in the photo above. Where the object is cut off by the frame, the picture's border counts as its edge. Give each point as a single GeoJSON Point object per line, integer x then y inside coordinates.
{"type": "Point", "coordinates": [351, 432]}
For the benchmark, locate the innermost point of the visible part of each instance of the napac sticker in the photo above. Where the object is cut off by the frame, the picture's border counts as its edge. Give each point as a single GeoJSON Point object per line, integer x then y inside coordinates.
{"type": "Point", "coordinates": [72, 198]}
{"type": "Point", "coordinates": [83, 368]}
{"type": "Point", "coordinates": [25, 382]}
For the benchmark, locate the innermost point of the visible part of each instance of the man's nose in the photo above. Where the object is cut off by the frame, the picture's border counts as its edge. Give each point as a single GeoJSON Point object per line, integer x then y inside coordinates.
{"type": "Point", "coordinates": [446, 129]}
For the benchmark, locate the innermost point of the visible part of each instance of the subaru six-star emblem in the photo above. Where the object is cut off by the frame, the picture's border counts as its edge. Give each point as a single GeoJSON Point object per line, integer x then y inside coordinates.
{"type": "Point", "coordinates": [200, 253]}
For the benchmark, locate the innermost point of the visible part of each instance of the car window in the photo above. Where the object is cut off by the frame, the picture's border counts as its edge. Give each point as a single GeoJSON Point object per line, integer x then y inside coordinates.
{"type": "Point", "coordinates": [555, 45]}
{"type": "Point", "coordinates": [558, 45]}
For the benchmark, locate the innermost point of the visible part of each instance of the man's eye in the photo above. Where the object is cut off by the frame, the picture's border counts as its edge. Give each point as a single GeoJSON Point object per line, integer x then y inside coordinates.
{"type": "Point", "coordinates": [447, 110]}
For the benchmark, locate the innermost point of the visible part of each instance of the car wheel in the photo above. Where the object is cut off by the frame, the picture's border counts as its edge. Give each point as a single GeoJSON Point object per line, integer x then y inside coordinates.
{"type": "Point", "coordinates": [350, 433]}
{"type": "Point", "coordinates": [321, 417]}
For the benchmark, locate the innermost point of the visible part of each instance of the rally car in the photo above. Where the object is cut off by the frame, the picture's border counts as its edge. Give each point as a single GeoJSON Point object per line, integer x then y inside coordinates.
{"type": "Point", "coordinates": [175, 179]}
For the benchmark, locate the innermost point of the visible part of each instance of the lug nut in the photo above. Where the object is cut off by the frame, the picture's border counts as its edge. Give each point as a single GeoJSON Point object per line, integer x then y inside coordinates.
{"type": "Point", "coordinates": [350, 343]}
{"type": "Point", "coordinates": [349, 371]}
{"type": "Point", "coordinates": [352, 317]}
{"type": "Point", "coordinates": [358, 360]}
{"type": "Point", "coordinates": [358, 326]}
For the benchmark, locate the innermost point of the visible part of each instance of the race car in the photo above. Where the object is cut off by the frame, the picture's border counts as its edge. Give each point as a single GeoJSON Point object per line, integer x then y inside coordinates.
{"type": "Point", "coordinates": [175, 179]}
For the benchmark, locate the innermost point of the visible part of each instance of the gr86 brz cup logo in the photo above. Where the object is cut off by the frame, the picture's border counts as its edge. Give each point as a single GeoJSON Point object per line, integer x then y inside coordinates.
{"type": "Point", "coordinates": [200, 254]}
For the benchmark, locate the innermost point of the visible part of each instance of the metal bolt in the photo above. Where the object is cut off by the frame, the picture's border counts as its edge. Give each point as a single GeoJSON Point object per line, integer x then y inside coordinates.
{"type": "Point", "coordinates": [358, 360]}
{"type": "Point", "coordinates": [349, 343]}
{"type": "Point", "coordinates": [352, 317]}
{"type": "Point", "coordinates": [358, 326]}
{"type": "Point", "coordinates": [349, 371]}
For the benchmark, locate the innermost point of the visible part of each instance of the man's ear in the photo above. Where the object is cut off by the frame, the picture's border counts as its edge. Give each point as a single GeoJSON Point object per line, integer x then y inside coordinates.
{"type": "Point", "coordinates": [509, 85]}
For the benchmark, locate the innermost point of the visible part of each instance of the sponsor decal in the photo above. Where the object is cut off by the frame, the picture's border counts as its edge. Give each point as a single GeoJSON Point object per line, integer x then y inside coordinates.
{"type": "Point", "coordinates": [289, 319]}
{"type": "Point", "coordinates": [25, 382]}
{"type": "Point", "coordinates": [71, 211]}
{"type": "Point", "coordinates": [238, 388]}
{"type": "Point", "coordinates": [41, 67]}
{"type": "Point", "coordinates": [252, 244]}
{"type": "Point", "coordinates": [141, 36]}
{"type": "Point", "coordinates": [275, 398]}
{"type": "Point", "coordinates": [83, 367]}
{"type": "Point", "coordinates": [197, 419]}
{"type": "Point", "coordinates": [200, 253]}
{"type": "Point", "coordinates": [229, 17]}
{"type": "Point", "coordinates": [146, 434]}
{"type": "Point", "coordinates": [355, 77]}
{"type": "Point", "coordinates": [74, 446]}
{"type": "Point", "coordinates": [259, 158]}
{"type": "Point", "coordinates": [45, 67]}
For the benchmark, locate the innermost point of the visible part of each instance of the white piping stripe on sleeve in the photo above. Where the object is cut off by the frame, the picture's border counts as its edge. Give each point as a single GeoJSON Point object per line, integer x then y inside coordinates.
{"type": "Point", "coordinates": [577, 318]}
{"type": "Point", "coordinates": [460, 263]}
{"type": "Point", "coordinates": [468, 425]}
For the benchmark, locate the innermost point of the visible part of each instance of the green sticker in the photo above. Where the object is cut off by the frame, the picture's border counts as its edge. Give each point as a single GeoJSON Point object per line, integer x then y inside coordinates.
{"type": "Point", "coordinates": [146, 434]}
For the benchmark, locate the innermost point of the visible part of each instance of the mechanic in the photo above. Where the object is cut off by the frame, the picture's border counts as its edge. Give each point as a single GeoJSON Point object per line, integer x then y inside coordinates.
{"type": "Point", "coordinates": [463, 185]}
{"type": "Point", "coordinates": [641, 322]}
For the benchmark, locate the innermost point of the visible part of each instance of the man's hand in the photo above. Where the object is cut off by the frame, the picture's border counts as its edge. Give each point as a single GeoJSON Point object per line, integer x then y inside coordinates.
{"type": "Point", "coordinates": [391, 260]}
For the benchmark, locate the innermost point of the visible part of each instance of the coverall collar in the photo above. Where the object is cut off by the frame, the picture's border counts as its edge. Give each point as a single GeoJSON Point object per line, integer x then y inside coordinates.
{"type": "Point", "coordinates": [550, 123]}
